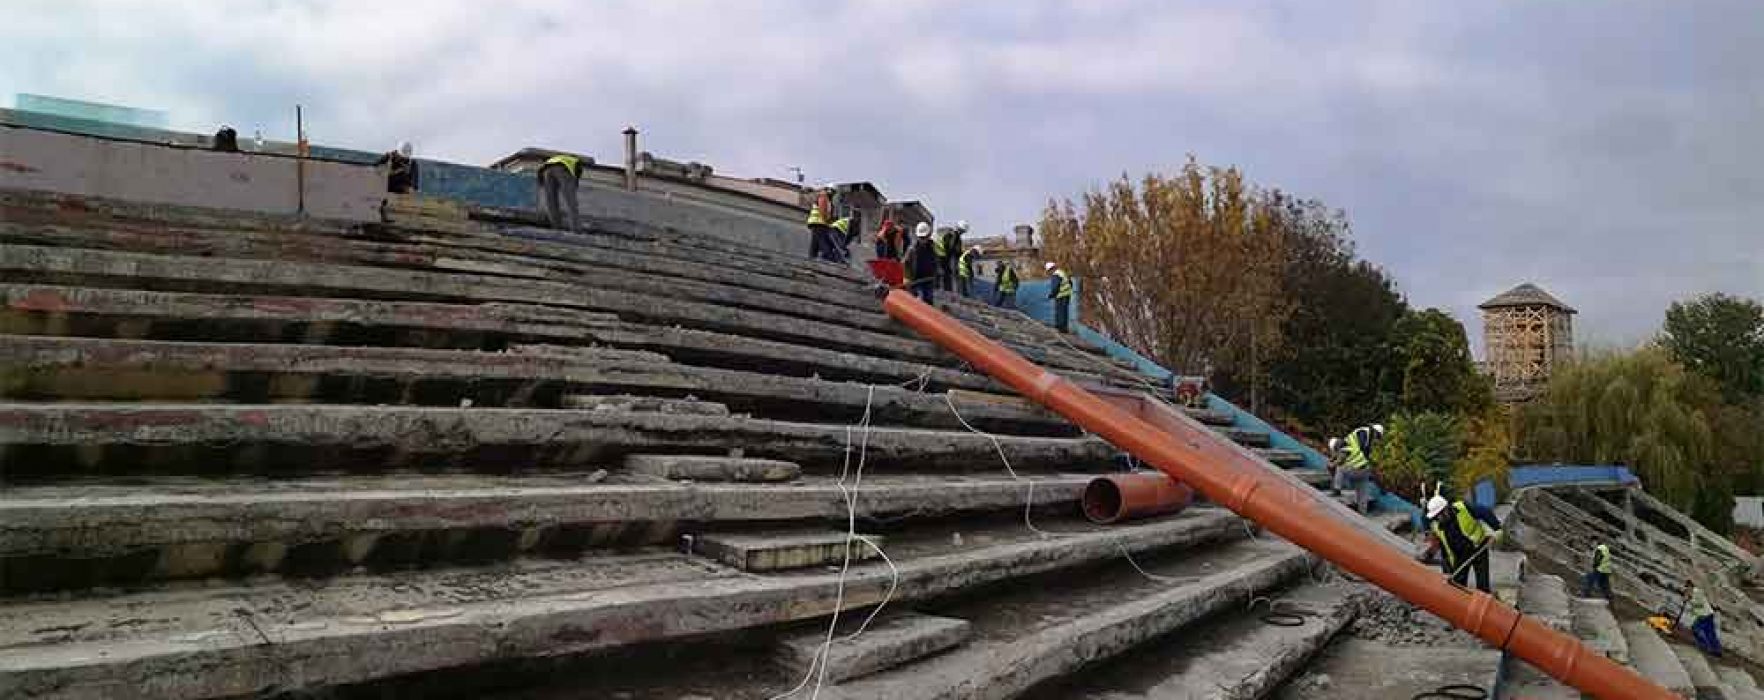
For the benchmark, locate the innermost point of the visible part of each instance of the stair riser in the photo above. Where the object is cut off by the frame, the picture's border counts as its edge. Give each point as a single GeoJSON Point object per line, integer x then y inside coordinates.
{"type": "Point", "coordinates": [330, 655]}
{"type": "Point", "coordinates": [76, 370]}
{"type": "Point", "coordinates": [43, 441]}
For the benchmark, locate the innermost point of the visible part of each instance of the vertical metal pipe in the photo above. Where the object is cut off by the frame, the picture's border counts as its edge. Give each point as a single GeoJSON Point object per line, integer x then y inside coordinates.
{"type": "Point", "coordinates": [631, 158]}
{"type": "Point", "coordinates": [299, 161]}
{"type": "Point", "coordinates": [1197, 457]}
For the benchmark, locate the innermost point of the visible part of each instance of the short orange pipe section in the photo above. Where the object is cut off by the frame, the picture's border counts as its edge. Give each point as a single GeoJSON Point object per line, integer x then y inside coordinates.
{"type": "Point", "coordinates": [1196, 457]}
{"type": "Point", "coordinates": [1118, 497]}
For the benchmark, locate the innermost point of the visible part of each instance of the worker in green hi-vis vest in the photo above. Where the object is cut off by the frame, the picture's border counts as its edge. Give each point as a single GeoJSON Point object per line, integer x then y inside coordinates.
{"type": "Point", "coordinates": [558, 179]}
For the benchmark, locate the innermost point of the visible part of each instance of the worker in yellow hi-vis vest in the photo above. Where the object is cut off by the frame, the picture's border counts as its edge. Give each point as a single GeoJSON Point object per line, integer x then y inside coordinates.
{"type": "Point", "coordinates": [558, 179]}
{"type": "Point", "coordinates": [1060, 289]}
{"type": "Point", "coordinates": [1461, 533]}
{"type": "Point", "coordinates": [1353, 463]}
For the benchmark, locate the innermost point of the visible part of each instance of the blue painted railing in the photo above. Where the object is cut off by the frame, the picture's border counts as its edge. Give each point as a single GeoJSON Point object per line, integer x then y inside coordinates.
{"type": "Point", "coordinates": [1485, 492]}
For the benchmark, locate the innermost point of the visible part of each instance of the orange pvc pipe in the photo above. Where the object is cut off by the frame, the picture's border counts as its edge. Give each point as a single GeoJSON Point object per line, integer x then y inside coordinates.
{"type": "Point", "coordinates": [1195, 456]}
{"type": "Point", "coordinates": [1117, 497]}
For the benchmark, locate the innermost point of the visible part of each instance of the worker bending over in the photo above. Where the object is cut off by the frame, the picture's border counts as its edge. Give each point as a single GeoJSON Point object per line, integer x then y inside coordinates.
{"type": "Point", "coordinates": [1599, 578]}
{"type": "Point", "coordinates": [965, 271]}
{"type": "Point", "coordinates": [1059, 290]}
{"type": "Point", "coordinates": [949, 245]}
{"type": "Point", "coordinates": [838, 244]}
{"type": "Point", "coordinates": [558, 178]}
{"type": "Point", "coordinates": [1005, 285]}
{"type": "Point", "coordinates": [1353, 467]}
{"type": "Point", "coordinates": [820, 234]}
{"type": "Point", "coordinates": [921, 264]}
{"type": "Point", "coordinates": [1462, 534]}
{"type": "Point", "coordinates": [1702, 619]}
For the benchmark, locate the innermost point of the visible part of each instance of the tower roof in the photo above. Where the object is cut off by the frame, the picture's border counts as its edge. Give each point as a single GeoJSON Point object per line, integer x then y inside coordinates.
{"type": "Point", "coordinates": [1527, 294]}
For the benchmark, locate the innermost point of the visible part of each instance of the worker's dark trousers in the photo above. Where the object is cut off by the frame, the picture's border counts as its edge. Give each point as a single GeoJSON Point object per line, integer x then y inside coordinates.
{"type": "Point", "coordinates": [556, 183]}
{"type": "Point", "coordinates": [1595, 581]}
{"type": "Point", "coordinates": [946, 273]}
{"type": "Point", "coordinates": [1005, 300]}
{"type": "Point", "coordinates": [925, 290]}
{"type": "Point", "coordinates": [1062, 311]}
{"type": "Point", "coordinates": [826, 244]}
{"type": "Point", "coordinates": [962, 286]}
{"type": "Point", "coordinates": [1478, 565]}
{"type": "Point", "coordinates": [1704, 632]}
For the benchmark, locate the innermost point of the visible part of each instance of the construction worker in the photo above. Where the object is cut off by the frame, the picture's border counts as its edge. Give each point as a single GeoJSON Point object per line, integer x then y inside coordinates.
{"type": "Point", "coordinates": [838, 242]}
{"type": "Point", "coordinates": [1060, 291]}
{"type": "Point", "coordinates": [921, 264]}
{"type": "Point", "coordinates": [817, 227]}
{"type": "Point", "coordinates": [1461, 533]}
{"type": "Point", "coordinates": [558, 179]}
{"type": "Point", "coordinates": [401, 170]}
{"type": "Point", "coordinates": [1005, 285]}
{"type": "Point", "coordinates": [965, 270]}
{"type": "Point", "coordinates": [1353, 467]}
{"type": "Point", "coordinates": [1702, 619]}
{"type": "Point", "coordinates": [888, 240]}
{"type": "Point", "coordinates": [1599, 578]}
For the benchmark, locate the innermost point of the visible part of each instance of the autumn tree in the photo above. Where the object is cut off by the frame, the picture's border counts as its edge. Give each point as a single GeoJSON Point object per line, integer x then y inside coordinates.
{"type": "Point", "coordinates": [1435, 369]}
{"type": "Point", "coordinates": [1184, 268]}
{"type": "Point", "coordinates": [1720, 337]}
{"type": "Point", "coordinates": [1332, 373]}
{"type": "Point", "coordinates": [1638, 409]}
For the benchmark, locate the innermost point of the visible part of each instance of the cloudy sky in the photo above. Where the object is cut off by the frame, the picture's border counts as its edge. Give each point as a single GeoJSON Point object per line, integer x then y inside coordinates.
{"type": "Point", "coordinates": [1610, 151]}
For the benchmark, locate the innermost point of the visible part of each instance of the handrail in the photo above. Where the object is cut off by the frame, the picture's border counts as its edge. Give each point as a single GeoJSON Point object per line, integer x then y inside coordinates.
{"type": "Point", "coordinates": [1197, 457]}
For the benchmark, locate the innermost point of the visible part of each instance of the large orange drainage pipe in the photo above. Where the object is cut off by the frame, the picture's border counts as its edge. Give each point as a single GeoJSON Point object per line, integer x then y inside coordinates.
{"type": "Point", "coordinates": [1230, 478]}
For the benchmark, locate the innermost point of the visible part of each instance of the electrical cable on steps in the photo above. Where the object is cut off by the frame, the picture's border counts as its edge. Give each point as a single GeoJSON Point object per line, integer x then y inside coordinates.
{"type": "Point", "coordinates": [1029, 499]}
{"type": "Point", "coordinates": [817, 670]}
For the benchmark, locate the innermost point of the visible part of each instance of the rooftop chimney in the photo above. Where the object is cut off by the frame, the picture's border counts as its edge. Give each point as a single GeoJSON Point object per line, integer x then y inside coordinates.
{"type": "Point", "coordinates": [631, 158]}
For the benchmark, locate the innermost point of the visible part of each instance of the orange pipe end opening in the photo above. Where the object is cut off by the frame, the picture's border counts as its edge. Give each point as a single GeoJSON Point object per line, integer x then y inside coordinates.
{"type": "Point", "coordinates": [1118, 497]}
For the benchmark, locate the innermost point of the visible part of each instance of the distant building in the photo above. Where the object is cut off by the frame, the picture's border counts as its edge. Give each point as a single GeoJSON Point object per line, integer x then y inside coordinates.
{"type": "Point", "coordinates": [1526, 333]}
{"type": "Point", "coordinates": [909, 214]}
{"type": "Point", "coordinates": [1017, 248]}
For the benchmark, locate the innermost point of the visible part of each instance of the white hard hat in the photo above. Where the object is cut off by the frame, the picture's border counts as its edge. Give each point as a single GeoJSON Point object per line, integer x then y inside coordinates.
{"type": "Point", "coordinates": [1334, 444]}
{"type": "Point", "coordinates": [1436, 505]}
{"type": "Point", "coordinates": [404, 149]}
{"type": "Point", "coordinates": [1049, 265]}
{"type": "Point", "coordinates": [923, 230]}
{"type": "Point", "coordinates": [1378, 428]}
{"type": "Point", "coordinates": [962, 226]}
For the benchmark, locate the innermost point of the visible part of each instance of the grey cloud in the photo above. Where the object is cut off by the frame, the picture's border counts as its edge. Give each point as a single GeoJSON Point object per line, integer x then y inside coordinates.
{"type": "Point", "coordinates": [1606, 151]}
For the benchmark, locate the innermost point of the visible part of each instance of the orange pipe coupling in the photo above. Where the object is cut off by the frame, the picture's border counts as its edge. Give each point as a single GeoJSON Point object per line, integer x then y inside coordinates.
{"type": "Point", "coordinates": [1117, 497]}
{"type": "Point", "coordinates": [1195, 456]}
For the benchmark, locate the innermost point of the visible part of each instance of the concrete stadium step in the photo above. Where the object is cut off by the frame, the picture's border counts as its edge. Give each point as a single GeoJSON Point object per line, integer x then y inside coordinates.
{"type": "Point", "coordinates": [85, 369]}
{"type": "Point", "coordinates": [1236, 655]}
{"type": "Point", "coordinates": [712, 468]}
{"type": "Point", "coordinates": [163, 222]}
{"type": "Point", "coordinates": [680, 279]}
{"type": "Point", "coordinates": [1209, 416]}
{"type": "Point", "coordinates": [1709, 686]}
{"type": "Point", "coordinates": [1598, 628]}
{"type": "Point", "coordinates": [1545, 598]}
{"type": "Point", "coordinates": [95, 268]}
{"type": "Point", "coordinates": [60, 441]}
{"type": "Point", "coordinates": [1289, 459]}
{"type": "Point", "coordinates": [281, 638]}
{"type": "Point", "coordinates": [1743, 685]}
{"type": "Point", "coordinates": [178, 316]}
{"type": "Point", "coordinates": [890, 642]}
{"type": "Point", "coordinates": [1030, 635]}
{"type": "Point", "coordinates": [1654, 659]}
{"type": "Point", "coordinates": [765, 552]}
{"type": "Point", "coordinates": [77, 536]}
